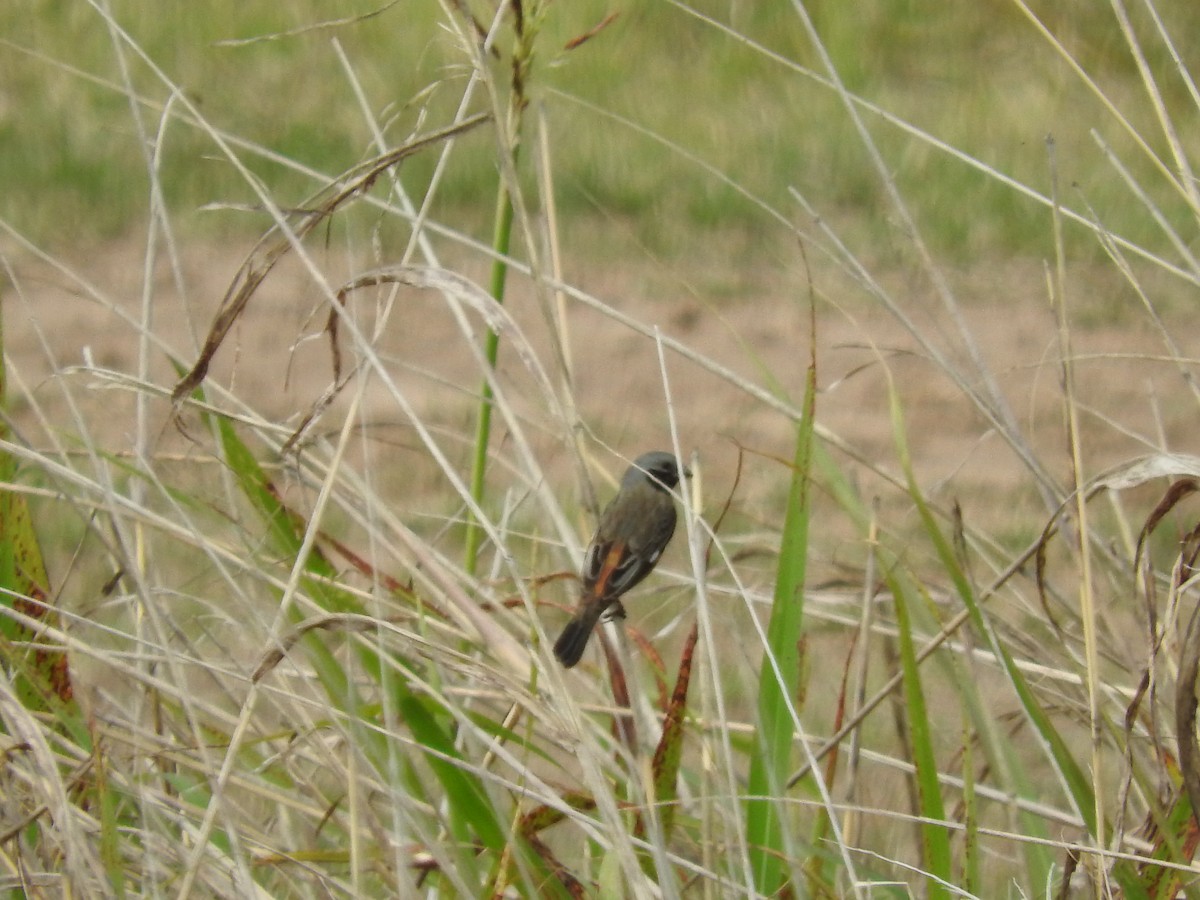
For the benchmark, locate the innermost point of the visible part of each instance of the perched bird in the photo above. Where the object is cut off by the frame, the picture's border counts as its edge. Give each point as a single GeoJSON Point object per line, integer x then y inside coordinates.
{"type": "Point", "coordinates": [633, 532]}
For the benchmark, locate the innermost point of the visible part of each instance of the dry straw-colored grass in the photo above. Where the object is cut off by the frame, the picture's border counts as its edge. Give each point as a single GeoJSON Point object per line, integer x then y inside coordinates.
{"type": "Point", "coordinates": [287, 680]}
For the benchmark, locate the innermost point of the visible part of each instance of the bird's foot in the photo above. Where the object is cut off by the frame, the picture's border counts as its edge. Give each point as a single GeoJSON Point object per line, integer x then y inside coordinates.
{"type": "Point", "coordinates": [615, 611]}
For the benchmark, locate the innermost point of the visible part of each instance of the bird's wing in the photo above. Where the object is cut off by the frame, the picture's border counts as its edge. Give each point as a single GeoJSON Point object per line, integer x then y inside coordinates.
{"type": "Point", "coordinates": [612, 568]}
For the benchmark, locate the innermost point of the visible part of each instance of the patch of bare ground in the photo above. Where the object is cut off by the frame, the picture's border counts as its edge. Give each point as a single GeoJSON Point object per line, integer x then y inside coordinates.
{"type": "Point", "coordinates": [750, 317]}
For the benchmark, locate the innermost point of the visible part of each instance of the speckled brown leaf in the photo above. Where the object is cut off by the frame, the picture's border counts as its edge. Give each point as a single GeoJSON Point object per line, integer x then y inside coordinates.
{"type": "Point", "coordinates": [670, 746]}
{"type": "Point", "coordinates": [44, 671]}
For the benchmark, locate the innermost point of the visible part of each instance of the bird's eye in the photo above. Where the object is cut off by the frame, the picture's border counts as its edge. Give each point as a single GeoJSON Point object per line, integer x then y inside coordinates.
{"type": "Point", "coordinates": [664, 473]}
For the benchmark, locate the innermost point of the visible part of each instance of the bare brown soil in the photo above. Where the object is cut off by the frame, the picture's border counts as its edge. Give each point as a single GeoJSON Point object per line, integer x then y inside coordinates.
{"type": "Point", "coordinates": [748, 315]}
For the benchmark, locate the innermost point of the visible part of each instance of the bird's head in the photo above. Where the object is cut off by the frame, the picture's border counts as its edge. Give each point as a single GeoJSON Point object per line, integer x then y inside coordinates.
{"type": "Point", "coordinates": [660, 467]}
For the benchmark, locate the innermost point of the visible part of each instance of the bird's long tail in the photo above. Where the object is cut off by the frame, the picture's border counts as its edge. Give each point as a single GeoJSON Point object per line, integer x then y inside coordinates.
{"type": "Point", "coordinates": [573, 641]}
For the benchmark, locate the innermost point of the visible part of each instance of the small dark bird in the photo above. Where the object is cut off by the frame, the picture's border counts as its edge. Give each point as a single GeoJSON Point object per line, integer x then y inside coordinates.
{"type": "Point", "coordinates": [634, 530]}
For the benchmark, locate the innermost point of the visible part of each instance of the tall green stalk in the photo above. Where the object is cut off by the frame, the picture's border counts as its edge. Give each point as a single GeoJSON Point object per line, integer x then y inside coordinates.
{"type": "Point", "coordinates": [501, 238]}
{"type": "Point", "coordinates": [525, 29]}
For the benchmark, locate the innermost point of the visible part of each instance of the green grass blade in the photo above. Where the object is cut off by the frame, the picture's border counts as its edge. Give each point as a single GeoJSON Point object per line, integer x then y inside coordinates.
{"type": "Point", "coordinates": [935, 838]}
{"type": "Point", "coordinates": [471, 815]}
{"type": "Point", "coordinates": [472, 812]}
{"type": "Point", "coordinates": [1078, 784]}
{"type": "Point", "coordinates": [111, 821]}
{"type": "Point", "coordinates": [1176, 837]}
{"type": "Point", "coordinates": [773, 752]}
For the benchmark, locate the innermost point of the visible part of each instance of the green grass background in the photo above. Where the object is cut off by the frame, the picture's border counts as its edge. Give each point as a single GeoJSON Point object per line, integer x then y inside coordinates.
{"type": "Point", "coordinates": [976, 76]}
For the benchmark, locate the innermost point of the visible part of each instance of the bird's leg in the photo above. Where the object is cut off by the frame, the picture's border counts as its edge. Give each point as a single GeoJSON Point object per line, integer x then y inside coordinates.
{"type": "Point", "coordinates": [614, 611]}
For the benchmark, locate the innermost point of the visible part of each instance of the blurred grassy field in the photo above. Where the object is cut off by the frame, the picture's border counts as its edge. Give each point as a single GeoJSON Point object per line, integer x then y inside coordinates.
{"type": "Point", "coordinates": [355, 680]}
{"type": "Point", "coordinates": [618, 107]}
